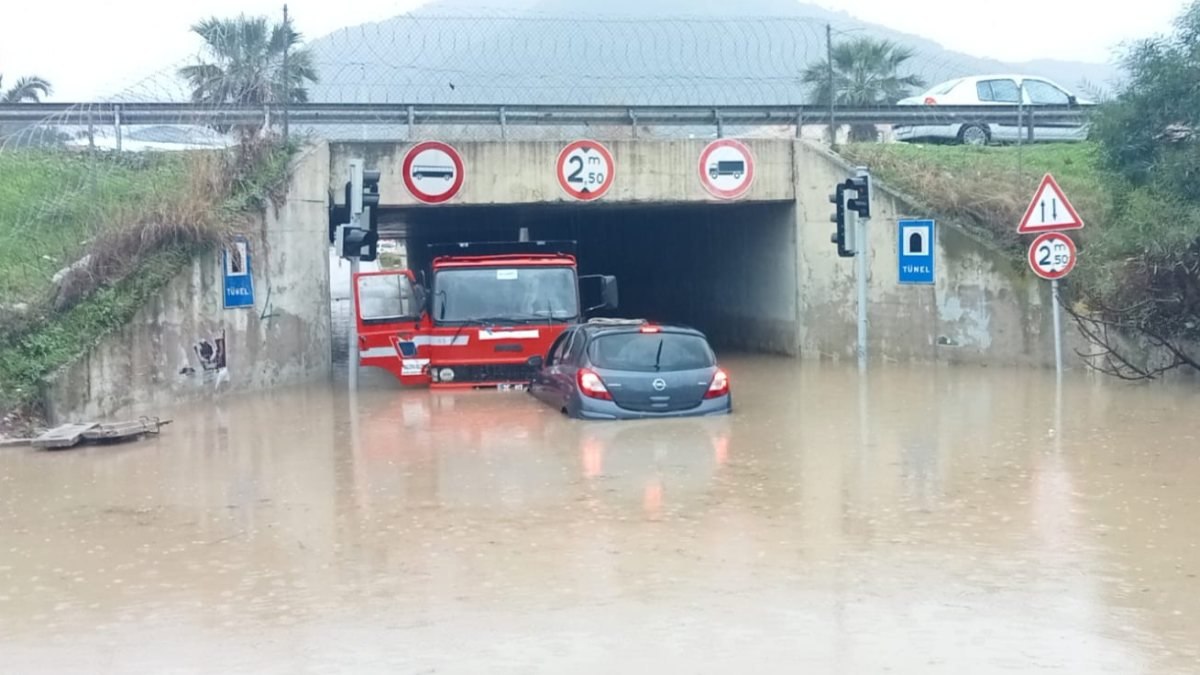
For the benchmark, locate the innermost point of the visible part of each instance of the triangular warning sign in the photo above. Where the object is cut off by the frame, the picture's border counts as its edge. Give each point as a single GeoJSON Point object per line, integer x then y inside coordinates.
{"type": "Point", "coordinates": [1049, 211]}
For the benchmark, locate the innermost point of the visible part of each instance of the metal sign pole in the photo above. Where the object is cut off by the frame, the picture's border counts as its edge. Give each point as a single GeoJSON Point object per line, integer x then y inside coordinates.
{"type": "Point", "coordinates": [1058, 356]}
{"type": "Point", "coordinates": [356, 207]}
{"type": "Point", "coordinates": [862, 246]}
{"type": "Point", "coordinates": [352, 345]}
{"type": "Point", "coordinates": [860, 225]}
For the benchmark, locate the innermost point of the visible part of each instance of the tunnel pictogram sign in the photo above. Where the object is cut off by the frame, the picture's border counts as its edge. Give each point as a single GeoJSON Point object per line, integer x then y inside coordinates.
{"type": "Point", "coordinates": [585, 170]}
{"type": "Point", "coordinates": [916, 251]}
{"type": "Point", "coordinates": [726, 168]}
{"type": "Point", "coordinates": [433, 172]}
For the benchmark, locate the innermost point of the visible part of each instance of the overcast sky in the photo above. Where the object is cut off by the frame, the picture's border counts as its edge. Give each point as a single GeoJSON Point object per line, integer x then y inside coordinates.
{"type": "Point", "coordinates": [92, 48]}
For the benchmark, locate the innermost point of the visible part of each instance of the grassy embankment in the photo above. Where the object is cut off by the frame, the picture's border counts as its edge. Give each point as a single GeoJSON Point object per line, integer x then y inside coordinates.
{"type": "Point", "coordinates": [988, 189]}
{"type": "Point", "coordinates": [1139, 254]}
{"type": "Point", "coordinates": [124, 224]}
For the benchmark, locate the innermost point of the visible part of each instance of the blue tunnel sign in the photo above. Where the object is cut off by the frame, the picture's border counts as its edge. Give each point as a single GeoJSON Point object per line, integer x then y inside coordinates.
{"type": "Point", "coordinates": [239, 282]}
{"type": "Point", "coordinates": [916, 251]}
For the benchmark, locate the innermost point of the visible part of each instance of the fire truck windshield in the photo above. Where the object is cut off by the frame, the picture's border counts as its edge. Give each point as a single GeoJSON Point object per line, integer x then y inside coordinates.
{"type": "Point", "coordinates": [517, 294]}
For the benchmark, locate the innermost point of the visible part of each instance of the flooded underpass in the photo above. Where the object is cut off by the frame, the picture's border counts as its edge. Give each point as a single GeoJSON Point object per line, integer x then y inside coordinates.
{"type": "Point", "coordinates": [921, 520]}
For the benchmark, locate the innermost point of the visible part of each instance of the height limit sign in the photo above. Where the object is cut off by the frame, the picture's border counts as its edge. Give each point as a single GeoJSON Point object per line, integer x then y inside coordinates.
{"type": "Point", "coordinates": [585, 170]}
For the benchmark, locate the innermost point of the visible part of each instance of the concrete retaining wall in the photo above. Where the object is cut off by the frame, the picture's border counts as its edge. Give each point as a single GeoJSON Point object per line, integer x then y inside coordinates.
{"type": "Point", "coordinates": [157, 359]}
{"type": "Point", "coordinates": [985, 308]}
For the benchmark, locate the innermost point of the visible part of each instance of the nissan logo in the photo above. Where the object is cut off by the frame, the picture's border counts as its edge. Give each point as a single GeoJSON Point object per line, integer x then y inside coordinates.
{"type": "Point", "coordinates": [659, 384]}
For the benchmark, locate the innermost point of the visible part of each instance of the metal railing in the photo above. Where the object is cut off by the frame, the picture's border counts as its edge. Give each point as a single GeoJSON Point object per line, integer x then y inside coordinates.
{"type": "Point", "coordinates": [118, 114]}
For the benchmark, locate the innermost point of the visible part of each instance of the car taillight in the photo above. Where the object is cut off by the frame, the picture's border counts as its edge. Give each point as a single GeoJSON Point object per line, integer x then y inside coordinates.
{"type": "Point", "coordinates": [929, 100]}
{"type": "Point", "coordinates": [719, 386]}
{"type": "Point", "coordinates": [591, 385]}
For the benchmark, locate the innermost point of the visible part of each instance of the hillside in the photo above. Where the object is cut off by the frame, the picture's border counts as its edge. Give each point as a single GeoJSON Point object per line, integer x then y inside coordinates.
{"type": "Point", "coordinates": [562, 51]}
{"type": "Point", "coordinates": [85, 239]}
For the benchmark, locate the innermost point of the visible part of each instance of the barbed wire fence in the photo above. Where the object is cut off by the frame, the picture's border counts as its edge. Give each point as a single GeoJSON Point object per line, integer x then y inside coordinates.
{"type": "Point", "coordinates": [504, 59]}
{"type": "Point", "coordinates": [491, 60]}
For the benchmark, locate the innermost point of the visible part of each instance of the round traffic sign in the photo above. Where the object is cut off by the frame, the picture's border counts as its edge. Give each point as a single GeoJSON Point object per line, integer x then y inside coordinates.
{"type": "Point", "coordinates": [726, 168]}
{"type": "Point", "coordinates": [1052, 255]}
{"type": "Point", "coordinates": [433, 172]}
{"type": "Point", "coordinates": [585, 170]}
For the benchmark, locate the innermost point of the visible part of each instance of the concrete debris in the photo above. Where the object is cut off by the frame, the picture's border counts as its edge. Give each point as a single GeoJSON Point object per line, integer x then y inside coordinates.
{"type": "Point", "coordinates": [71, 435]}
{"type": "Point", "coordinates": [80, 264]}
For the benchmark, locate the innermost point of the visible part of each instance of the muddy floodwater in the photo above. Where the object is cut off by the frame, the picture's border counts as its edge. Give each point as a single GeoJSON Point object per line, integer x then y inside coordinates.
{"type": "Point", "coordinates": [926, 520]}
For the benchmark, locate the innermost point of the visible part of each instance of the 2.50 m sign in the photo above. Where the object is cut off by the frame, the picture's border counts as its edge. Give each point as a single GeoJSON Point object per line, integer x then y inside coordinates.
{"type": "Point", "coordinates": [585, 170]}
{"type": "Point", "coordinates": [1052, 255]}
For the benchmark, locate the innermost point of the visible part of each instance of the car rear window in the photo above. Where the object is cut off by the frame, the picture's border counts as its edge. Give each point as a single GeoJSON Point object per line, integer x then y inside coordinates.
{"type": "Point", "coordinates": [650, 352]}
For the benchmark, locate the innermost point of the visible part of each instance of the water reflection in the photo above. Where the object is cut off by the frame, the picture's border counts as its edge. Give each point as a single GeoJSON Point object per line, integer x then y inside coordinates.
{"type": "Point", "coordinates": [918, 520]}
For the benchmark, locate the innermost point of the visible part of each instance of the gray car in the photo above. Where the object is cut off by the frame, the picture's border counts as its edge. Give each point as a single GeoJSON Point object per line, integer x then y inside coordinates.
{"type": "Point", "coordinates": [627, 369]}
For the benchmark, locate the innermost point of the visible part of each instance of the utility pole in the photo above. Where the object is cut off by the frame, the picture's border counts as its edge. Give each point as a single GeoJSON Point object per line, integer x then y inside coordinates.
{"type": "Point", "coordinates": [832, 91]}
{"type": "Point", "coordinates": [287, 83]}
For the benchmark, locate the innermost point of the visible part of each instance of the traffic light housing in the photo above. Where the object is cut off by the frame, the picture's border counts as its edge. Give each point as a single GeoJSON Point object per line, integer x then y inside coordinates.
{"type": "Point", "coordinates": [351, 241]}
{"type": "Point", "coordinates": [860, 203]}
{"type": "Point", "coordinates": [839, 237]}
{"type": "Point", "coordinates": [370, 188]}
{"type": "Point", "coordinates": [339, 214]}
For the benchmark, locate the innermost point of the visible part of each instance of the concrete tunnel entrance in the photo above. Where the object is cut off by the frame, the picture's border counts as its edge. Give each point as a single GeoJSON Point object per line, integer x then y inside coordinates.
{"type": "Point", "coordinates": [726, 269]}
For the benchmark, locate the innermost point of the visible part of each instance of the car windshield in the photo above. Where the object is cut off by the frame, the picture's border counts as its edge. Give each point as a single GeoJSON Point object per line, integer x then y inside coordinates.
{"type": "Point", "coordinates": [518, 294]}
{"type": "Point", "coordinates": [650, 352]}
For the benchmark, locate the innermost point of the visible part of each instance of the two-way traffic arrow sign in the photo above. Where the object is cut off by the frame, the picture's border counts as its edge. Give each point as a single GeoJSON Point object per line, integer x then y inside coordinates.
{"type": "Point", "coordinates": [1050, 211]}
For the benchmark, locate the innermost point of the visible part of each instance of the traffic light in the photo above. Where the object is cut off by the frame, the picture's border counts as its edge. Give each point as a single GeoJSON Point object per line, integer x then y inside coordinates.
{"type": "Point", "coordinates": [350, 242]}
{"type": "Point", "coordinates": [339, 214]}
{"type": "Point", "coordinates": [370, 188]}
{"type": "Point", "coordinates": [861, 202]}
{"type": "Point", "coordinates": [359, 212]}
{"type": "Point", "coordinates": [371, 239]}
{"type": "Point", "coordinates": [843, 236]}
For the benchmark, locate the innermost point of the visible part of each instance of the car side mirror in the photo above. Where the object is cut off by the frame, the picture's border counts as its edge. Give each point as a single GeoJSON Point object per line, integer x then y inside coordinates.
{"type": "Point", "coordinates": [1071, 100]}
{"type": "Point", "coordinates": [536, 362]}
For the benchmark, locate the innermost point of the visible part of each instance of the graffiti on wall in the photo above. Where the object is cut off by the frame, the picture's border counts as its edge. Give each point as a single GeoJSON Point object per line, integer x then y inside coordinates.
{"type": "Point", "coordinates": [210, 359]}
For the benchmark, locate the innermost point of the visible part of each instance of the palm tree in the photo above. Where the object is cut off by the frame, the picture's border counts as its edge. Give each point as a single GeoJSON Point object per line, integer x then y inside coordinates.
{"type": "Point", "coordinates": [26, 90]}
{"type": "Point", "coordinates": [865, 73]}
{"type": "Point", "coordinates": [245, 63]}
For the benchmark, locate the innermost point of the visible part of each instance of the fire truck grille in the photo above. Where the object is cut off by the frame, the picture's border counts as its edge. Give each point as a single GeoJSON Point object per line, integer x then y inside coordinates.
{"type": "Point", "coordinates": [509, 373]}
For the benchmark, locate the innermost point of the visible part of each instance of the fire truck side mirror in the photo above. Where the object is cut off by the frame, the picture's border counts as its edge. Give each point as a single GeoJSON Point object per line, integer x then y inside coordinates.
{"type": "Point", "coordinates": [608, 291]}
{"type": "Point", "coordinates": [420, 297]}
{"type": "Point", "coordinates": [608, 296]}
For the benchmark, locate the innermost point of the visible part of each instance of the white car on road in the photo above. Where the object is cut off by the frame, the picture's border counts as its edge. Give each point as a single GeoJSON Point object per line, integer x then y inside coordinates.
{"type": "Point", "coordinates": [993, 90]}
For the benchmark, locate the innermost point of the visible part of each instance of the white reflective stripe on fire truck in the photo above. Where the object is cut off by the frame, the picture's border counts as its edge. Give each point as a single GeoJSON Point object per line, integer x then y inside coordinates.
{"type": "Point", "coordinates": [510, 335]}
{"type": "Point", "coordinates": [420, 340]}
{"type": "Point", "coordinates": [377, 353]}
{"type": "Point", "coordinates": [442, 340]}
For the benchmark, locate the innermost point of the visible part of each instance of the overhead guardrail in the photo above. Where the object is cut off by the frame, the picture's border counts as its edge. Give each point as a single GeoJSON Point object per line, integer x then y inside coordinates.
{"type": "Point", "coordinates": [118, 114]}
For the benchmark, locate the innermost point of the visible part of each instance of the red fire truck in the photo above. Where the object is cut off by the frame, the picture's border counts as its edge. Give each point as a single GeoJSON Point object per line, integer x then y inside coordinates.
{"type": "Point", "coordinates": [491, 312]}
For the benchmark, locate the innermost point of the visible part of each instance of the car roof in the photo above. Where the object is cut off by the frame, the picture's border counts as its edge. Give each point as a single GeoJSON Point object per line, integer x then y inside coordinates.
{"type": "Point", "coordinates": [998, 76]}
{"type": "Point", "coordinates": [604, 326]}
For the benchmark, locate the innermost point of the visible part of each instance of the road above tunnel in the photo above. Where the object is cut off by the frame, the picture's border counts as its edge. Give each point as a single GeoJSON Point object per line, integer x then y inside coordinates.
{"type": "Point", "coordinates": [942, 520]}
